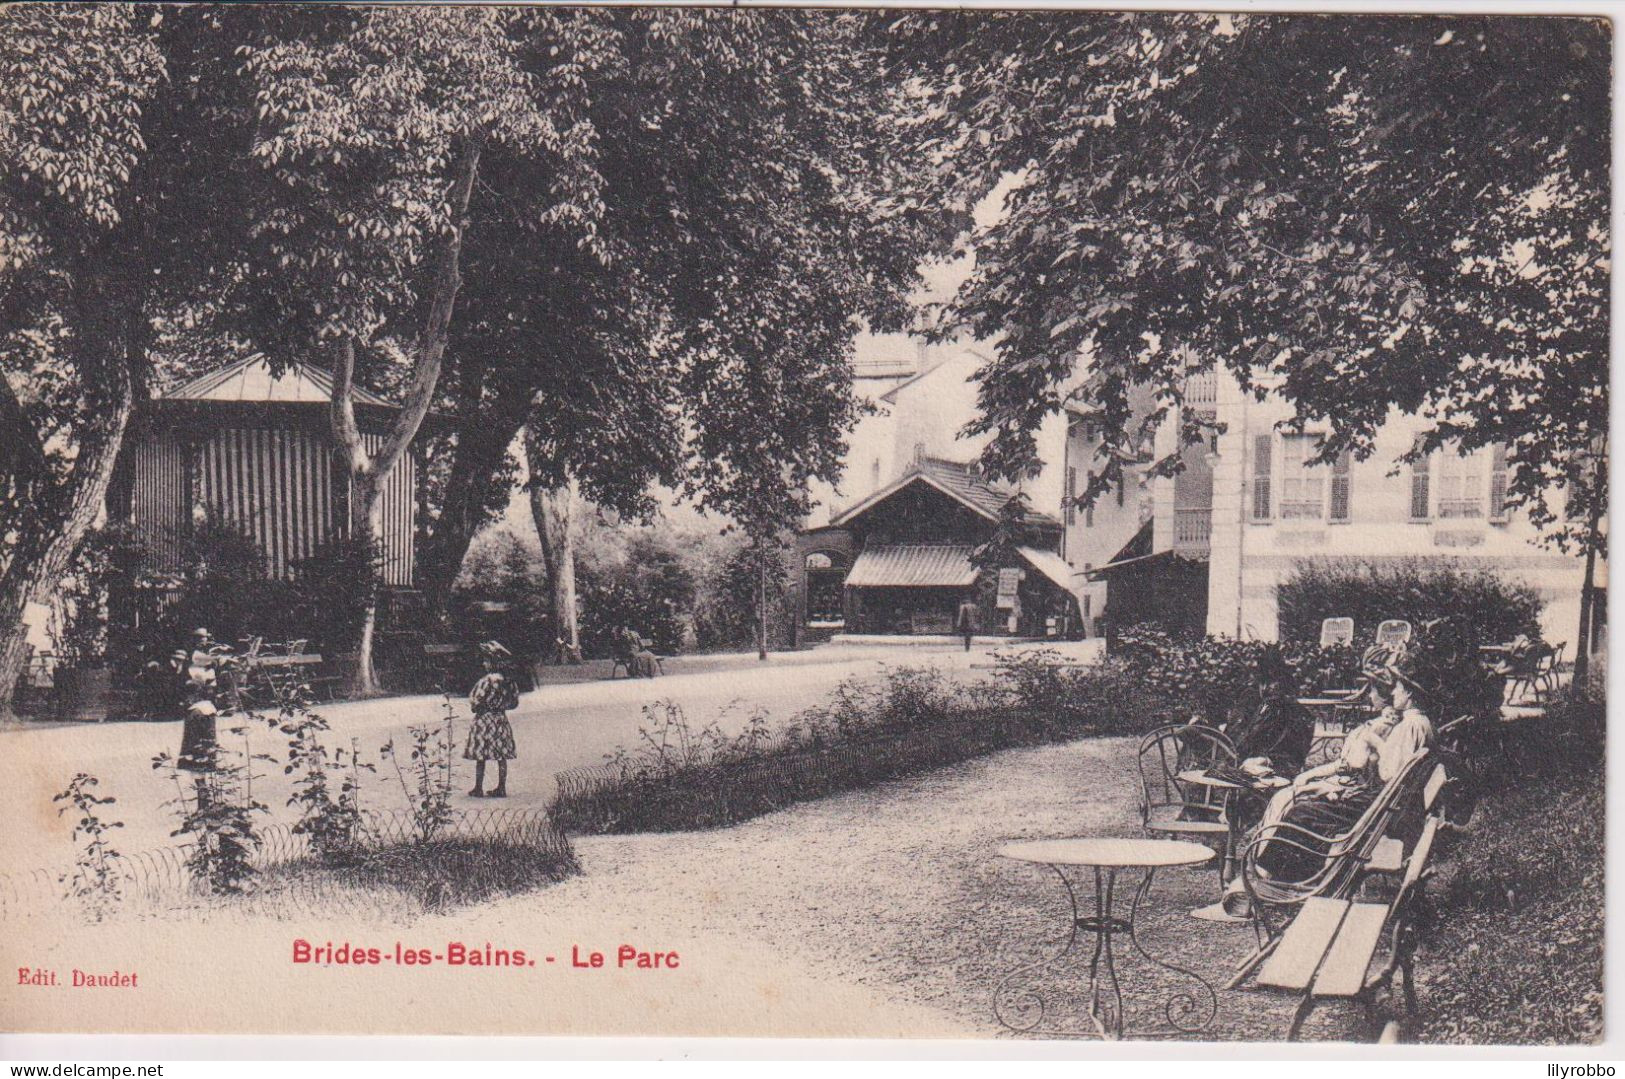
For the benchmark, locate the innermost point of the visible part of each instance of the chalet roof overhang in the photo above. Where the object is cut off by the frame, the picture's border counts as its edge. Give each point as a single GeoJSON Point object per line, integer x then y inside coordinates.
{"type": "Point", "coordinates": [974, 495]}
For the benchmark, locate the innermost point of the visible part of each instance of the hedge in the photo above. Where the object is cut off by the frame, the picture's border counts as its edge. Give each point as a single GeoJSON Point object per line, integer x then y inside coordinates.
{"type": "Point", "coordinates": [1418, 590]}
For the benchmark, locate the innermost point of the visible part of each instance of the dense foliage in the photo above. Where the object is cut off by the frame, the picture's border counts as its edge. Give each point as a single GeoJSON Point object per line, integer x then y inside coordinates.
{"type": "Point", "coordinates": [1418, 590]}
{"type": "Point", "coordinates": [1519, 913]}
{"type": "Point", "coordinates": [1365, 212]}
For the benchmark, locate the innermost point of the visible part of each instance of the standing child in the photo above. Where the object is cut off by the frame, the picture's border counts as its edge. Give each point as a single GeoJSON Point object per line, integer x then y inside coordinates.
{"type": "Point", "coordinates": [491, 736]}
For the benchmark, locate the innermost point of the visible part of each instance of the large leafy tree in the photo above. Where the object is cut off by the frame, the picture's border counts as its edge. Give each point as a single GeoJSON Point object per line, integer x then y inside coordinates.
{"type": "Point", "coordinates": [1373, 212]}
{"type": "Point", "coordinates": [708, 349]}
{"type": "Point", "coordinates": [117, 198]}
{"type": "Point", "coordinates": [386, 136]}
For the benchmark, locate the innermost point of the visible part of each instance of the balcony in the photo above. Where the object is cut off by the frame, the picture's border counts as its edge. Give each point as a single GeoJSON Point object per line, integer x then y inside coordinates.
{"type": "Point", "coordinates": [1193, 529]}
{"type": "Point", "coordinates": [1202, 391]}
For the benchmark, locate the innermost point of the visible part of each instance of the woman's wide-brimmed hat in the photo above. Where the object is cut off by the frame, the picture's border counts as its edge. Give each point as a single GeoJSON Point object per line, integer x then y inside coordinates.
{"type": "Point", "coordinates": [495, 650]}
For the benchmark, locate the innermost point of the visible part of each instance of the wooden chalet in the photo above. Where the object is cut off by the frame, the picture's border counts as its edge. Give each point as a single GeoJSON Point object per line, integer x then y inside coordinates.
{"type": "Point", "coordinates": [902, 561]}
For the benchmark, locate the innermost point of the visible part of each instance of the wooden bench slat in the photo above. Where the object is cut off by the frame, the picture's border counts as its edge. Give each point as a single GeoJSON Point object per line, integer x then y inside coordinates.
{"type": "Point", "coordinates": [1418, 861]}
{"type": "Point", "coordinates": [1296, 958]}
{"type": "Point", "coordinates": [1388, 857]}
{"type": "Point", "coordinates": [1435, 784]}
{"type": "Point", "coordinates": [1349, 957]}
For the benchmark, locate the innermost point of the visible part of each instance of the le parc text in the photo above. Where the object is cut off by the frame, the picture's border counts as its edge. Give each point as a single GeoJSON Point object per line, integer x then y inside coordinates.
{"type": "Point", "coordinates": [460, 954]}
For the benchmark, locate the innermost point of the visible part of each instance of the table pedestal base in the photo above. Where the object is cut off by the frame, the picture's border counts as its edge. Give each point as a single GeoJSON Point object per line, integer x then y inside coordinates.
{"type": "Point", "coordinates": [1021, 1005]}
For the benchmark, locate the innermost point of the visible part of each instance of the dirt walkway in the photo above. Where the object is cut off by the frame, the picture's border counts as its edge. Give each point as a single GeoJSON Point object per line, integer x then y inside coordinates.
{"type": "Point", "coordinates": [878, 913]}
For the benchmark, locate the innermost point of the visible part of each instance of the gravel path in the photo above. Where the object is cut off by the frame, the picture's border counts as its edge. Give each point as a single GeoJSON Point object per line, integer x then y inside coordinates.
{"type": "Point", "coordinates": [898, 889]}
{"type": "Point", "coordinates": [883, 912]}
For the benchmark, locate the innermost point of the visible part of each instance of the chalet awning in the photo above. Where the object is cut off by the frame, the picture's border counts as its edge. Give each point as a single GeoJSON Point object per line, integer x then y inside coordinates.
{"type": "Point", "coordinates": [1050, 564]}
{"type": "Point", "coordinates": [912, 567]}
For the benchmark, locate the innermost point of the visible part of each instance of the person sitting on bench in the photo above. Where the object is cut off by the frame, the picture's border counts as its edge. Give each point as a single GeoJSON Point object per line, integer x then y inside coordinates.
{"type": "Point", "coordinates": [634, 652]}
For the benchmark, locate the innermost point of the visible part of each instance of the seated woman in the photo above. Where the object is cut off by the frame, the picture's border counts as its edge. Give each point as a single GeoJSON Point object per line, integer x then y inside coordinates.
{"type": "Point", "coordinates": [1330, 808]}
{"type": "Point", "coordinates": [1327, 800]}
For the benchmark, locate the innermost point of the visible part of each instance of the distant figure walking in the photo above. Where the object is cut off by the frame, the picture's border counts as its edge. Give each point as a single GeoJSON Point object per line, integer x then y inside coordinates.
{"type": "Point", "coordinates": [965, 623]}
{"type": "Point", "coordinates": [491, 736]}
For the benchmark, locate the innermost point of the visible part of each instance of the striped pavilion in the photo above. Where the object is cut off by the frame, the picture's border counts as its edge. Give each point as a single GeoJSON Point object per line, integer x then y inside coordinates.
{"type": "Point", "coordinates": [251, 449]}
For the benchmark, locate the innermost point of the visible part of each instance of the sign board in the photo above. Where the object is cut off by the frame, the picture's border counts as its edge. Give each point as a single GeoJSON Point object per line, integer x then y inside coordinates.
{"type": "Point", "coordinates": [1009, 581]}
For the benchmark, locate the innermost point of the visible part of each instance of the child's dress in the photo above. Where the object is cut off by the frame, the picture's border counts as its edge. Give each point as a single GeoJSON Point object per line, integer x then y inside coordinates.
{"type": "Point", "coordinates": [491, 737]}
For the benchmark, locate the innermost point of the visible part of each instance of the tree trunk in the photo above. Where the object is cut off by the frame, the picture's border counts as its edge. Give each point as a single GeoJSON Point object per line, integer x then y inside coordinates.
{"type": "Point", "coordinates": [36, 568]}
{"type": "Point", "coordinates": [366, 506]}
{"type": "Point", "coordinates": [550, 508]}
{"type": "Point", "coordinates": [761, 603]}
{"type": "Point", "coordinates": [367, 470]}
{"type": "Point", "coordinates": [1588, 595]}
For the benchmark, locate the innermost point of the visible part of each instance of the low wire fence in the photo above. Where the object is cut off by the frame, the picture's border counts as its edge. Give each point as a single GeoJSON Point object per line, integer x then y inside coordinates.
{"type": "Point", "coordinates": [476, 853]}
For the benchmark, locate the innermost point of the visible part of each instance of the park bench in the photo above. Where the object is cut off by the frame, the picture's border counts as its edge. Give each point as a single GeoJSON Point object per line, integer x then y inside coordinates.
{"type": "Point", "coordinates": [1344, 859]}
{"type": "Point", "coordinates": [1328, 950]}
{"type": "Point", "coordinates": [624, 663]}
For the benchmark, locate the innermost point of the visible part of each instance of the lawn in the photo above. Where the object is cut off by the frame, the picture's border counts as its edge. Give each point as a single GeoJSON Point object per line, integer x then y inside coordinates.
{"type": "Point", "coordinates": [1516, 952]}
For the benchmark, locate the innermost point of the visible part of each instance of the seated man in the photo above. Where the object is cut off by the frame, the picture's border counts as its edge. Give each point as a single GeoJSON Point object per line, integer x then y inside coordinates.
{"type": "Point", "coordinates": [634, 651]}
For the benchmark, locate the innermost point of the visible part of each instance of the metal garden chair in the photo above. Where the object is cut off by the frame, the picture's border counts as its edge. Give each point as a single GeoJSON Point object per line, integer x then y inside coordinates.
{"type": "Point", "coordinates": [1171, 806]}
{"type": "Point", "coordinates": [1394, 631]}
{"type": "Point", "coordinates": [1336, 631]}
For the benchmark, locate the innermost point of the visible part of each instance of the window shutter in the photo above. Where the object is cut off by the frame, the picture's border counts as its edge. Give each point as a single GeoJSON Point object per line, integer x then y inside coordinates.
{"type": "Point", "coordinates": [1420, 477]}
{"type": "Point", "coordinates": [1498, 482]}
{"type": "Point", "coordinates": [1262, 447]}
{"type": "Point", "coordinates": [1341, 507]}
{"type": "Point", "coordinates": [1071, 494]}
{"type": "Point", "coordinates": [1089, 511]}
{"type": "Point", "coordinates": [1122, 484]}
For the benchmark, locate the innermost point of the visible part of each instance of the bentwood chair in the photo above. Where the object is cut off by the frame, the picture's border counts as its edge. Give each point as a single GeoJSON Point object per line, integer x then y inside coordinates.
{"type": "Point", "coordinates": [1171, 806]}
{"type": "Point", "coordinates": [1336, 631]}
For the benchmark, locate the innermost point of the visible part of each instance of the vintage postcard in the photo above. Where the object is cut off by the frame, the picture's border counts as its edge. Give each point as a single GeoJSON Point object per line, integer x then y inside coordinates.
{"type": "Point", "coordinates": [803, 523]}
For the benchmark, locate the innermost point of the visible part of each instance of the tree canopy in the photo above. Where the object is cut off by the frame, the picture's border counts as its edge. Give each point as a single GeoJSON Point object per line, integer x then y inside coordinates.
{"type": "Point", "coordinates": [1367, 212]}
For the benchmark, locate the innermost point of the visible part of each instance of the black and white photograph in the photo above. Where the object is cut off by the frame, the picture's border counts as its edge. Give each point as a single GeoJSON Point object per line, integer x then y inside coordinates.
{"type": "Point", "coordinates": [1035, 526]}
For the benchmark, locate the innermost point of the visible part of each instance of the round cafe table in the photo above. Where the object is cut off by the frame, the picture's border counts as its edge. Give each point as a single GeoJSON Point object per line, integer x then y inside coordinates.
{"type": "Point", "coordinates": [1021, 1005]}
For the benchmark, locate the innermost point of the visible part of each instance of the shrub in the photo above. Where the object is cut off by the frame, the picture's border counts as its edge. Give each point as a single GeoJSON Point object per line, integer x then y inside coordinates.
{"type": "Point", "coordinates": [1156, 678]}
{"type": "Point", "coordinates": [97, 875]}
{"type": "Point", "coordinates": [652, 591]}
{"type": "Point", "coordinates": [432, 762]}
{"type": "Point", "coordinates": [1419, 590]}
{"type": "Point", "coordinates": [681, 777]}
{"type": "Point", "coordinates": [220, 815]}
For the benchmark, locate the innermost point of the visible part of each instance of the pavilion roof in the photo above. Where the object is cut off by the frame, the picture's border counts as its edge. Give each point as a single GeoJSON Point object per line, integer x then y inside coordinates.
{"type": "Point", "coordinates": [251, 381]}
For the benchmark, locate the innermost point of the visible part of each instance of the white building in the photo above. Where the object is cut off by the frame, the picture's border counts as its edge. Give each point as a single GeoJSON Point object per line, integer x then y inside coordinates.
{"type": "Point", "coordinates": [1271, 510]}
{"type": "Point", "coordinates": [924, 395]}
{"type": "Point", "coordinates": [1207, 548]}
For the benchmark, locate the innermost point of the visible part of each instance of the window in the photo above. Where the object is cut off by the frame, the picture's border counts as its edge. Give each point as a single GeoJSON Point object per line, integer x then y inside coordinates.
{"type": "Point", "coordinates": [1122, 485]}
{"type": "Point", "coordinates": [1263, 449]}
{"type": "Point", "coordinates": [1421, 476]}
{"type": "Point", "coordinates": [1089, 510]}
{"type": "Point", "coordinates": [1341, 504]}
{"type": "Point", "coordinates": [1498, 482]}
{"type": "Point", "coordinates": [1303, 485]}
{"type": "Point", "coordinates": [1461, 484]}
{"type": "Point", "coordinates": [1071, 508]}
